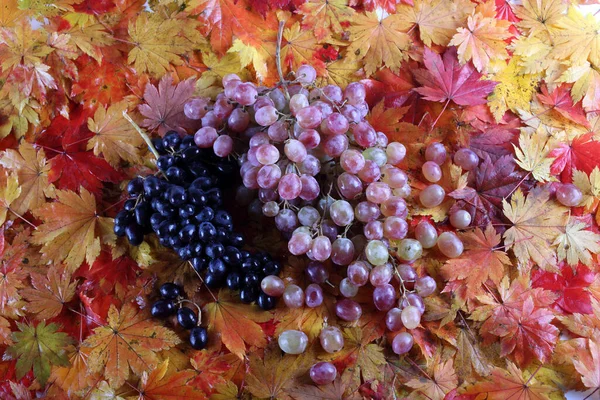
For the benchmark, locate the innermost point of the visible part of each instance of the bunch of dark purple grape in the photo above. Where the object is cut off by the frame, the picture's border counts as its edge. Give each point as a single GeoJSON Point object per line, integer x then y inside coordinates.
{"type": "Point", "coordinates": [183, 206]}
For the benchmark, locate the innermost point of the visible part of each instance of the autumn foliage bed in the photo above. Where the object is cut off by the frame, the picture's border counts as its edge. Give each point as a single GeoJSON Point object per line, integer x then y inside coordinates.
{"type": "Point", "coordinates": [516, 316]}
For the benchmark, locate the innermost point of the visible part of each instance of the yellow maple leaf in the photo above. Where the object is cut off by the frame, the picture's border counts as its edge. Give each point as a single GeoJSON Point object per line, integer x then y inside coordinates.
{"type": "Point", "coordinates": [22, 46]}
{"type": "Point", "coordinates": [577, 38]}
{"type": "Point", "coordinates": [537, 222]}
{"type": "Point", "coordinates": [209, 83]}
{"type": "Point", "coordinates": [514, 90]}
{"type": "Point", "coordinates": [298, 47]}
{"type": "Point", "coordinates": [258, 57]}
{"type": "Point", "coordinates": [48, 8]}
{"type": "Point", "coordinates": [9, 192]}
{"type": "Point", "coordinates": [577, 244]}
{"type": "Point", "coordinates": [72, 231]}
{"type": "Point", "coordinates": [533, 54]}
{"type": "Point", "coordinates": [115, 138]}
{"type": "Point", "coordinates": [586, 84]}
{"type": "Point", "coordinates": [437, 20]}
{"type": "Point", "coordinates": [10, 14]}
{"type": "Point", "coordinates": [532, 153]}
{"type": "Point", "coordinates": [483, 39]}
{"type": "Point", "coordinates": [49, 292]}
{"type": "Point", "coordinates": [539, 16]}
{"type": "Point", "coordinates": [444, 379]}
{"type": "Point", "coordinates": [379, 41]}
{"type": "Point", "coordinates": [89, 38]}
{"type": "Point", "coordinates": [324, 18]}
{"type": "Point", "coordinates": [158, 43]}
{"type": "Point", "coordinates": [589, 186]}
{"type": "Point", "coordinates": [74, 378]}
{"type": "Point", "coordinates": [340, 72]}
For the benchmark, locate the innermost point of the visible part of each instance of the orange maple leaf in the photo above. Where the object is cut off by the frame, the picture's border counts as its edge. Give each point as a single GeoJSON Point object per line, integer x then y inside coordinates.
{"type": "Point", "coordinates": [159, 384]}
{"type": "Point", "coordinates": [324, 18]}
{"type": "Point", "coordinates": [129, 341]}
{"type": "Point", "coordinates": [443, 381]}
{"type": "Point", "coordinates": [12, 275]}
{"type": "Point", "coordinates": [214, 369]}
{"type": "Point", "coordinates": [50, 292]}
{"type": "Point", "coordinates": [590, 368]}
{"type": "Point", "coordinates": [74, 378]}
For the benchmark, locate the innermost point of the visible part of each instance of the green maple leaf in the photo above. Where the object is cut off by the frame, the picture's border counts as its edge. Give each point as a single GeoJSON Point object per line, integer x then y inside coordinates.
{"type": "Point", "coordinates": [39, 347]}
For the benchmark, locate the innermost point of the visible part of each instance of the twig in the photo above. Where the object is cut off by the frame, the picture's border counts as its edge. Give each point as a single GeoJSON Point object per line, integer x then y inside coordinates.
{"type": "Point", "coordinates": [278, 59]}
{"type": "Point", "coordinates": [440, 114]}
{"type": "Point", "coordinates": [142, 134]}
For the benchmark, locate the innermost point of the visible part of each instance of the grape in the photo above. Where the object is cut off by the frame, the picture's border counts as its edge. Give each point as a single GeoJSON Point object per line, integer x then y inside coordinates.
{"type": "Point", "coordinates": [351, 113]}
{"type": "Point", "coordinates": [395, 228]}
{"type": "Point", "coordinates": [450, 245]}
{"type": "Point", "coordinates": [332, 93]}
{"type": "Point", "coordinates": [186, 318]}
{"type": "Point", "coordinates": [407, 273]}
{"type": "Point", "coordinates": [308, 216]}
{"type": "Point", "coordinates": [393, 176]}
{"type": "Point", "coordinates": [460, 219]}
{"type": "Point", "coordinates": [425, 286]}
{"type": "Point", "coordinates": [363, 108]}
{"type": "Point", "coordinates": [310, 188]}
{"type": "Point", "coordinates": [323, 373]}
{"type": "Point", "coordinates": [286, 220]}
{"type": "Point", "coordinates": [342, 251]}
{"type": "Point", "coordinates": [335, 145]}
{"type": "Point", "coordinates": [347, 288]}
{"type": "Point", "coordinates": [278, 99]}
{"type": "Point", "coordinates": [250, 178]}
{"type": "Point", "coordinates": [376, 252]}
{"type": "Point", "coordinates": [261, 102]}
{"type": "Point", "coordinates": [210, 120]}
{"type": "Point", "coordinates": [409, 249]}
{"type": "Point", "coordinates": [348, 310]}
{"type": "Point", "coordinates": [297, 89]}
{"type": "Point", "coordinates": [306, 74]}
{"type": "Point", "coordinates": [411, 317]}
{"type": "Point", "coordinates": [325, 108]}
{"type": "Point", "coordinates": [196, 108]}
{"type": "Point", "coordinates": [466, 159]}
{"type": "Point", "coordinates": [413, 299]}
{"type": "Point", "coordinates": [569, 195]}
{"type": "Point", "coordinates": [365, 211]}
{"type": "Point", "coordinates": [336, 124]}
{"type": "Point", "coordinates": [393, 319]}
{"type": "Point", "coordinates": [349, 185]}
{"type": "Point", "coordinates": [162, 309]}
{"type": "Point", "coordinates": [364, 134]}
{"type": "Point", "coordinates": [298, 102]}
{"type": "Point", "coordinates": [313, 295]}
{"type": "Point", "coordinates": [290, 186]}
{"type": "Point", "coordinates": [300, 243]}
{"type": "Point", "coordinates": [266, 116]}
{"type": "Point", "coordinates": [376, 155]}
{"type": "Point", "coordinates": [268, 176]}
{"type": "Point", "coordinates": [222, 108]}
{"type": "Point", "coordinates": [295, 150]}
{"type": "Point", "coordinates": [278, 132]}
{"type": "Point", "coordinates": [403, 192]}
{"type": "Point", "coordinates": [310, 138]}
{"type": "Point", "coordinates": [267, 154]}
{"type": "Point", "coordinates": [230, 88]}
{"type": "Point", "coordinates": [378, 192]}
{"type": "Point", "coordinates": [384, 297]}
{"type": "Point", "coordinates": [395, 152]}
{"type": "Point", "coordinates": [170, 290]}
{"type": "Point", "coordinates": [436, 152]}
{"type": "Point", "coordinates": [370, 173]}
{"type": "Point", "coordinates": [380, 275]}
{"type": "Point", "coordinates": [394, 207]}
{"type": "Point", "coordinates": [329, 229]}
{"type": "Point", "coordinates": [230, 78]}
{"type": "Point", "coordinates": [432, 196]}
{"type": "Point", "coordinates": [382, 140]}
{"type": "Point", "coordinates": [309, 117]}
{"type": "Point", "coordinates": [272, 285]}
{"type": "Point", "coordinates": [246, 94]}
{"type": "Point", "coordinates": [205, 137]}
{"type": "Point", "coordinates": [238, 120]}
{"type": "Point", "coordinates": [293, 342]}
{"type": "Point", "coordinates": [426, 234]}
{"type": "Point", "coordinates": [331, 339]}
{"type": "Point", "coordinates": [316, 272]}
{"type": "Point", "coordinates": [310, 166]}
{"type": "Point", "coordinates": [321, 248]}
{"type": "Point", "coordinates": [432, 171]}
{"type": "Point", "coordinates": [402, 343]}
{"type": "Point", "coordinates": [223, 145]}
{"type": "Point", "coordinates": [352, 161]}
{"type": "Point", "coordinates": [293, 296]}
{"type": "Point", "coordinates": [341, 213]}
{"type": "Point", "coordinates": [358, 273]}
{"type": "Point", "coordinates": [198, 338]}
{"type": "Point", "coordinates": [355, 93]}
{"type": "Point", "coordinates": [266, 302]}
{"type": "Point", "coordinates": [373, 230]}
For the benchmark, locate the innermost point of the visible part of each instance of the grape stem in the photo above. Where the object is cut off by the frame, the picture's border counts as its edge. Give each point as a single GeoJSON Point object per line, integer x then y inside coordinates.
{"type": "Point", "coordinates": [202, 280]}
{"type": "Point", "coordinates": [142, 134]}
{"type": "Point", "coordinates": [282, 81]}
{"type": "Point", "coordinates": [197, 307]}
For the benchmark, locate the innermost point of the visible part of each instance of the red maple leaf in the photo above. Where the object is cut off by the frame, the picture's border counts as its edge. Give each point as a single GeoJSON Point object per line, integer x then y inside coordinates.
{"type": "Point", "coordinates": [560, 100]}
{"type": "Point", "coordinates": [105, 271]}
{"type": "Point", "coordinates": [581, 154]}
{"type": "Point", "coordinates": [569, 285]}
{"type": "Point", "coordinates": [447, 80]}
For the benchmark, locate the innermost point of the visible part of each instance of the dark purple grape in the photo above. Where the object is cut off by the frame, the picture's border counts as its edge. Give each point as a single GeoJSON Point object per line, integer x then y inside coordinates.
{"type": "Point", "coordinates": [187, 318]}
{"type": "Point", "coordinates": [198, 338]}
{"type": "Point", "coordinates": [170, 290]}
{"type": "Point", "coordinates": [162, 309]}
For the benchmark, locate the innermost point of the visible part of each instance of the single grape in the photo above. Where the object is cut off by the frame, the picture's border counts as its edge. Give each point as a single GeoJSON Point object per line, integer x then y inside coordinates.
{"type": "Point", "coordinates": [313, 295]}
{"type": "Point", "coordinates": [246, 94]}
{"type": "Point", "coordinates": [370, 173]}
{"type": "Point", "coordinates": [198, 338]}
{"type": "Point", "coordinates": [352, 161]}
{"type": "Point", "coordinates": [308, 216]}
{"type": "Point", "coordinates": [321, 248]}
{"type": "Point", "coordinates": [413, 299]}
{"type": "Point", "coordinates": [331, 339]}
{"type": "Point", "coordinates": [407, 273]}
{"type": "Point", "coordinates": [310, 138]}
{"type": "Point", "coordinates": [309, 117]}
{"type": "Point", "coordinates": [267, 154]}
{"type": "Point", "coordinates": [278, 132]}
{"type": "Point", "coordinates": [348, 310]}
{"type": "Point", "coordinates": [286, 220]}
{"type": "Point", "coordinates": [402, 343]}
{"type": "Point", "coordinates": [425, 286]}
{"type": "Point", "coordinates": [295, 150]}
{"type": "Point", "coordinates": [310, 166]}
{"type": "Point", "coordinates": [395, 228]}
{"type": "Point", "coordinates": [336, 124]}
{"type": "Point", "coordinates": [358, 273]}
{"type": "Point", "coordinates": [290, 186]}
{"type": "Point", "coordinates": [341, 212]}
{"type": "Point", "coordinates": [460, 219]}
{"type": "Point", "coordinates": [393, 319]}
{"type": "Point", "coordinates": [323, 373]}
{"type": "Point", "coordinates": [268, 176]}
{"type": "Point", "coordinates": [436, 152]}
{"type": "Point", "coordinates": [365, 211]}
{"type": "Point", "coordinates": [310, 188]}
{"type": "Point", "coordinates": [347, 288]}
{"type": "Point", "coordinates": [380, 275]}
{"type": "Point", "coordinates": [432, 196]}
{"type": "Point", "coordinates": [466, 159]}
{"type": "Point", "coordinates": [298, 102]}
{"type": "Point", "coordinates": [306, 74]}
{"type": "Point", "coordinates": [186, 318]}
{"type": "Point", "coordinates": [395, 152]}
{"type": "Point", "coordinates": [238, 120]}
{"type": "Point", "coordinates": [431, 171]}
{"type": "Point", "coordinates": [378, 192]}
{"type": "Point", "coordinates": [293, 342]}
{"type": "Point", "coordinates": [355, 93]}
{"type": "Point", "coordinates": [393, 176]}
{"type": "Point", "coordinates": [205, 137]}
{"type": "Point", "coordinates": [316, 272]}
{"type": "Point", "coordinates": [450, 245]}
{"type": "Point", "coordinates": [411, 317]}
{"type": "Point", "coordinates": [196, 108]}
{"type": "Point", "coordinates": [342, 251]}
{"type": "Point", "coordinates": [373, 230]}
{"type": "Point", "coordinates": [394, 207]}
{"type": "Point", "coordinates": [364, 134]}
{"type": "Point", "coordinates": [384, 297]}
{"type": "Point", "coordinates": [409, 249]}
{"type": "Point", "coordinates": [350, 186]}
{"type": "Point", "coordinates": [266, 116]}
{"type": "Point", "coordinates": [426, 234]}
{"type": "Point", "coordinates": [332, 93]}
{"type": "Point", "coordinates": [293, 296]}
{"type": "Point", "coordinates": [300, 243]}
{"type": "Point", "coordinates": [376, 155]}
{"type": "Point", "coordinates": [335, 145]}
{"type": "Point", "coordinates": [223, 146]}
{"type": "Point", "coordinates": [376, 252]}
{"type": "Point", "coordinates": [568, 195]}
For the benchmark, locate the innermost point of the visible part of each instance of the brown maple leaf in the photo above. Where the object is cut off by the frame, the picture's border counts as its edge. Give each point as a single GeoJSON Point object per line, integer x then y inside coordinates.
{"type": "Point", "coordinates": [436, 387]}
{"type": "Point", "coordinates": [50, 292]}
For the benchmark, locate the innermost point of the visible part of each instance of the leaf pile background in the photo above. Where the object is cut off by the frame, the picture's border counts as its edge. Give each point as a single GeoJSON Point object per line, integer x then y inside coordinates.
{"type": "Point", "coordinates": [517, 315]}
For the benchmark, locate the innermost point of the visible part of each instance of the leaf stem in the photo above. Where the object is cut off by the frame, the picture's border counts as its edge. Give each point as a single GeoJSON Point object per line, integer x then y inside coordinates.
{"type": "Point", "coordinates": [440, 114]}
{"type": "Point", "coordinates": [22, 218]}
{"type": "Point", "coordinates": [278, 59]}
{"type": "Point", "coordinates": [142, 134]}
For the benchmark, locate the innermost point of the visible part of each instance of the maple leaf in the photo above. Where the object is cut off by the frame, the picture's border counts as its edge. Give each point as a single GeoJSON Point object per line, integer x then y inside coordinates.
{"type": "Point", "coordinates": [580, 154]}
{"type": "Point", "coordinates": [10, 14]}
{"type": "Point", "coordinates": [38, 347]}
{"type": "Point", "coordinates": [104, 83]}
{"type": "Point", "coordinates": [447, 80]}
{"type": "Point", "coordinates": [115, 138]}
{"type": "Point", "coordinates": [215, 368]}
{"type": "Point", "coordinates": [483, 39]}
{"type": "Point", "coordinates": [479, 262]}
{"type": "Point", "coordinates": [33, 81]}
{"type": "Point", "coordinates": [51, 292]}
{"type": "Point", "coordinates": [90, 38]}
{"type": "Point", "coordinates": [72, 231]}
{"type": "Point", "coordinates": [514, 91]}
{"type": "Point", "coordinates": [590, 371]}
{"type": "Point", "coordinates": [589, 186]}
{"type": "Point", "coordinates": [235, 324]}
{"type": "Point", "coordinates": [379, 41]}
{"type": "Point", "coordinates": [437, 20]}
{"type": "Point", "coordinates": [444, 379]}
{"type": "Point", "coordinates": [586, 83]}
{"type": "Point", "coordinates": [539, 16]}
{"type": "Point", "coordinates": [560, 100]}
{"type": "Point", "coordinates": [532, 153]}
{"type": "Point", "coordinates": [570, 284]}
{"type": "Point", "coordinates": [130, 340]}
{"type": "Point", "coordinates": [511, 384]}
{"type": "Point", "coordinates": [5, 332]}
{"type": "Point", "coordinates": [31, 170]}
{"type": "Point", "coordinates": [469, 355]}
{"type": "Point", "coordinates": [298, 47]}
{"type": "Point", "coordinates": [159, 384]}
{"type": "Point", "coordinates": [12, 275]}
{"type": "Point", "coordinates": [577, 37]}
{"type": "Point", "coordinates": [270, 375]}
{"type": "Point", "coordinates": [74, 378]}
{"type": "Point", "coordinates": [22, 46]}
{"type": "Point", "coordinates": [164, 108]}
{"type": "Point", "coordinates": [537, 222]}
{"type": "Point", "coordinates": [9, 193]}
{"type": "Point", "coordinates": [577, 244]}
{"type": "Point", "coordinates": [326, 18]}
{"type": "Point", "coordinates": [336, 390]}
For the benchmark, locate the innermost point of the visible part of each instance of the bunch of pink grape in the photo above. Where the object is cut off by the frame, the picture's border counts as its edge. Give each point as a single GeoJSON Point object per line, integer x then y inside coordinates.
{"type": "Point", "coordinates": [334, 188]}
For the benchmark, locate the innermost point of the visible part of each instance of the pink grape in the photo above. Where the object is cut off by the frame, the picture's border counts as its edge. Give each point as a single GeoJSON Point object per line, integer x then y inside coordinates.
{"type": "Point", "coordinates": [272, 285]}
{"type": "Point", "coordinates": [297, 89]}
{"type": "Point", "coordinates": [230, 88]}
{"type": "Point", "coordinates": [331, 339]}
{"type": "Point", "coordinates": [409, 249]}
{"type": "Point", "coordinates": [205, 137]}
{"type": "Point", "coordinates": [363, 108]}
{"type": "Point", "coordinates": [290, 186]}
{"type": "Point", "coordinates": [306, 74]}
{"type": "Point", "coordinates": [382, 139]}
{"type": "Point", "coordinates": [286, 220]}
{"type": "Point", "coordinates": [355, 93]}
{"type": "Point", "coordinates": [293, 296]}
{"type": "Point", "coordinates": [267, 154]}
{"type": "Point", "coordinates": [223, 146]}
{"type": "Point", "coordinates": [352, 161]}
{"type": "Point", "coordinates": [261, 102]}
{"type": "Point", "coordinates": [250, 178]}
{"type": "Point", "coordinates": [402, 343]}
{"type": "Point", "coordinates": [332, 93]}
{"type": "Point", "coordinates": [246, 94]}
{"type": "Point", "coordinates": [309, 117]}
{"type": "Point", "coordinates": [413, 299]}
{"type": "Point", "coordinates": [364, 134]}
{"type": "Point", "coordinates": [268, 176]}
{"type": "Point", "coordinates": [335, 145]}
{"type": "Point", "coordinates": [210, 120]}
{"type": "Point", "coordinates": [349, 185]}
{"type": "Point", "coordinates": [295, 150]}
{"type": "Point", "coordinates": [569, 195]}
{"type": "Point", "coordinates": [266, 116]}
{"type": "Point", "coordinates": [348, 310]}
{"type": "Point", "coordinates": [238, 120]}
{"type": "Point", "coordinates": [450, 245]}
{"type": "Point", "coordinates": [258, 139]}
{"type": "Point", "coordinates": [380, 275]}
{"type": "Point", "coordinates": [267, 195]}
{"type": "Point", "coordinates": [222, 108]}
{"type": "Point", "coordinates": [347, 288]}
{"type": "Point", "coordinates": [336, 123]}
{"type": "Point", "coordinates": [278, 99]}
{"type": "Point", "coordinates": [426, 234]}
{"type": "Point", "coordinates": [324, 107]}
{"type": "Point", "coordinates": [395, 152]}
{"type": "Point", "coordinates": [308, 216]}
{"type": "Point", "coordinates": [407, 273]}
{"type": "Point", "coordinates": [395, 228]}
{"type": "Point", "coordinates": [358, 273]}
{"type": "Point", "coordinates": [460, 219]}
{"type": "Point", "coordinates": [342, 251]}
{"type": "Point", "coordinates": [196, 108]}
{"type": "Point", "coordinates": [393, 319]}
{"type": "Point", "coordinates": [270, 209]}
{"type": "Point", "coordinates": [393, 176]}
{"type": "Point", "coordinates": [366, 211]}
{"type": "Point", "coordinates": [310, 166]}
{"type": "Point", "coordinates": [310, 188]}
{"type": "Point", "coordinates": [298, 102]}
{"type": "Point", "coordinates": [230, 78]}
{"type": "Point", "coordinates": [384, 297]}
{"type": "Point", "coordinates": [436, 152]}
{"type": "Point", "coordinates": [299, 243]}
{"type": "Point", "coordinates": [373, 230]}
{"type": "Point", "coordinates": [313, 295]}
{"type": "Point", "coordinates": [321, 248]}
{"type": "Point", "coordinates": [394, 207]}
{"type": "Point", "coordinates": [466, 159]}
{"type": "Point", "coordinates": [341, 212]}
{"type": "Point", "coordinates": [425, 286]}
{"type": "Point", "coordinates": [278, 132]}
{"type": "Point", "coordinates": [351, 113]}
{"type": "Point", "coordinates": [316, 272]}
{"type": "Point", "coordinates": [378, 192]}
{"type": "Point", "coordinates": [323, 373]}
{"type": "Point", "coordinates": [370, 173]}
{"type": "Point", "coordinates": [310, 138]}
{"type": "Point", "coordinates": [432, 196]}
{"type": "Point", "coordinates": [411, 317]}
{"type": "Point", "coordinates": [431, 171]}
